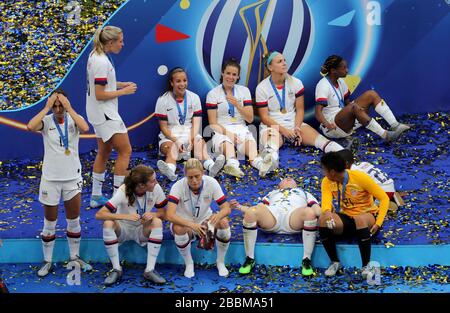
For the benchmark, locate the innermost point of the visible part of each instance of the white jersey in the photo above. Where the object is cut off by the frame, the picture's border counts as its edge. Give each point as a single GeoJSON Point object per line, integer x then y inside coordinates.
{"type": "Point", "coordinates": [196, 207]}
{"type": "Point", "coordinates": [381, 178]}
{"type": "Point", "coordinates": [328, 96]}
{"type": "Point", "coordinates": [119, 203]}
{"type": "Point", "coordinates": [266, 97]}
{"type": "Point", "coordinates": [216, 100]}
{"type": "Point", "coordinates": [166, 110]}
{"type": "Point", "coordinates": [100, 71]}
{"type": "Point", "coordinates": [57, 166]}
{"type": "Point", "coordinates": [287, 200]}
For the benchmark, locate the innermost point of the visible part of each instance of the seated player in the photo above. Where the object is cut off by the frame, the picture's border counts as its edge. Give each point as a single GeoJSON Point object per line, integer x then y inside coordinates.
{"type": "Point", "coordinates": [380, 177]}
{"type": "Point", "coordinates": [338, 116]}
{"type": "Point", "coordinates": [286, 210]}
{"type": "Point", "coordinates": [189, 207]}
{"type": "Point", "coordinates": [357, 214]}
{"type": "Point", "coordinates": [127, 216]}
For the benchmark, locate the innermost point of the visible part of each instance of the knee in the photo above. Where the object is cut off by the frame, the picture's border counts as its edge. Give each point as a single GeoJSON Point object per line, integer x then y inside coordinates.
{"type": "Point", "coordinates": [108, 224]}
{"type": "Point", "coordinates": [372, 94]}
{"type": "Point", "coordinates": [125, 151]}
{"type": "Point", "coordinates": [250, 215]}
{"type": "Point", "coordinates": [308, 214]}
{"type": "Point", "coordinates": [179, 230]}
{"type": "Point", "coordinates": [322, 221]}
{"type": "Point", "coordinates": [360, 222]}
{"type": "Point", "coordinates": [223, 223]}
{"type": "Point", "coordinates": [156, 222]}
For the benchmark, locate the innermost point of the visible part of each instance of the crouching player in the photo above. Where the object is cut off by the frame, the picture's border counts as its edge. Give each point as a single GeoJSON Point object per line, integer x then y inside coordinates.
{"type": "Point", "coordinates": [286, 210]}
{"type": "Point", "coordinates": [189, 207]}
{"type": "Point", "coordinates": [127, 216]}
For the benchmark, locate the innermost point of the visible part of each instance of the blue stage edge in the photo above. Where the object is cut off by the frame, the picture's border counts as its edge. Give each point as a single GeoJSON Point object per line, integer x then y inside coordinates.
{"type": "Point", "coordinates": [92, 250]}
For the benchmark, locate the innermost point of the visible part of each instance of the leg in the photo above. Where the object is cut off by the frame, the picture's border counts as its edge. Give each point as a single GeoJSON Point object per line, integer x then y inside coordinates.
{"type": "Point", "coordinates": [223, 237]}
{"type": "Point", "coordinates": [72, 207]}
{"type": "Point", "coordinates": [98, 173]}
{"type": "Point", "coordinates": [168, 167]}
{"type": "Point", "coordinates": [232, 165]}
{"type": "Point", "coordinates": [48, 238]}
{"type": "Point", "coordinates": [310, 137]}
{"type": "Point", "coordinates": [201, 153]}
{"type": "Point", "coordinates": [152, 230]}
{"type": "Point", "coordinates": [363, 224]}
{"type": "Point", "coordinates": [271, 141]}
{"type": "Point", "coordinates": [327, 236]}
{"type": "Point", "coordinates": [111, 231]}
{"type": "Point", "coordinates": [305, 219]}
{"type": "Point", "coordinates": [182, 236]}
{"type": "Point", "coordinates": [121, 144]}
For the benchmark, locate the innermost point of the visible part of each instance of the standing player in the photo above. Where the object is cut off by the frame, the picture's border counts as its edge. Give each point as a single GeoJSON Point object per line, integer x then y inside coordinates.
{"type": "Point", "coordinates": [102, 110]}
{"type": "Point", "coordinates": [61, 174]}
{"type": "Point", "coordinates": [286, 210]}
{"type": "Point", "coordinates": [357, 214]}
{"type": "Point", "coordinates": [127, 216]}
{"type": "Point", "coordinates": [229, 106]}
{"type": "Point", "coordinates": [381, 178]}
{"type": "Point", "coordinates": [280, 102]}
{"type": "Point", "coordinates": [189, 206]}
{"type": "Point", "coordinates": [338, 116]}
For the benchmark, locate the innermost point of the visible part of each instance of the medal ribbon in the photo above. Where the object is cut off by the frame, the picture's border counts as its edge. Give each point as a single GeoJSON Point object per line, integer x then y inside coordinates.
{"type": "Point", "coordinates": [64, 137]}
{"type": "Point", "coordinates": [281, 100]}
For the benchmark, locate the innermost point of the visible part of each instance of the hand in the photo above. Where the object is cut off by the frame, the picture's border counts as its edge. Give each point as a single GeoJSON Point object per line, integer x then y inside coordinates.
{"type": "Point", "coordinates": [328, 216]}
{"type": "Point", "coordinates": [64, 101]}
{"type": "Point", "coordinates": [330, 126]}
{"type": "Point", "coordinates": [50, 101]}
{"type": "Point", "coordinates": [288, 133]}
{"type": "Point", "coordinates": [374, 229]}
{"type": "Point", "coordinates": [197, 228]}
{"type": "Point", "coordinates": [214, 219]}
{"type": "Point", "coordinates": [298, 140]}
{"type": "Point", "coordinates": [125, 84]}
{"type": "Point", "coordinates": [232, 100]}
{"type": "Point", "coordinates": [133, 217]}
{"type": "Point", "coordinates": [129, 90]}
{"type": "Point", "coordinates": [148, 216]}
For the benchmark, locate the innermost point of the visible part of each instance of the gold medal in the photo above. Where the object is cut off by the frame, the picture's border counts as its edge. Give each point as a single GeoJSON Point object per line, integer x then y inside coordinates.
{"type": "Point", "coordinates": [284, 111]}
{"type": "Point", "coordinates": [67, 152]}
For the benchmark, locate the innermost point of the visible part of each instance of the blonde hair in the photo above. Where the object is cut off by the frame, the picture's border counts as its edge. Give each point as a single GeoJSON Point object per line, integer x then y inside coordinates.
{"type": "Point", "coordinates": [103, 36]}
{"type": "Point", "coordinates": [192, 164]}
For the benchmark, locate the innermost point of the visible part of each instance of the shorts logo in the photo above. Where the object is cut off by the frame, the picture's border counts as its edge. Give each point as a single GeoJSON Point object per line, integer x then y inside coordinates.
{"type": "Point", "coordinates": [44, 193]}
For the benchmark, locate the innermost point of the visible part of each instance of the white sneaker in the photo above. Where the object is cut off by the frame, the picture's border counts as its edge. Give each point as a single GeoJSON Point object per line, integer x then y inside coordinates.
{"type": "Point", "coordinates": [45, 269]}
{"type": "Point", "coordinates": [223, 271]}
{"type": "Point", "coordinates": [85, 267]}
{"type": "Point", "coordinates": [268, 165]}
{"type": "Point", "coordinates": [189, 271]}
{"type": "Point", "coordinates": [333, 269]}
{"type": "Point", "coordinates": [233, 171]}
{"type": "Point", "coordinates": [164, 168]}
{"type": "Point", "coordinates": [217, 166]}
{"type": "Point", "coordinates": [368, 272]}
{"type": "Point", "coordinates": [402, 127]}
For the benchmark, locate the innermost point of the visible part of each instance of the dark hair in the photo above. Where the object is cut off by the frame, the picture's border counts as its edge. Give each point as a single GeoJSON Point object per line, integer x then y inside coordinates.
{"type": "Point", "coordinates": [59, 91]}
{"type": "Point", "coordinates": [348, 157]}
{"type": "Point", "coordinates": [141, 174]}
{"type": "Point", "coordinates": [172, 72]}
{"type": "Point", "coordinates": [231, 62]}
{"type": "Point", "coordinates": [333, 161]}
{"type": "Point", "coordinates": [332, 61]}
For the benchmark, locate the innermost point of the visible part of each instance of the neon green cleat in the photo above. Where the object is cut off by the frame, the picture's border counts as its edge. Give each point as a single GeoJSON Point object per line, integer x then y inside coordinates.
{"type": "Point", "coordinates": [247, 267]}
{"type": "Point", "coordinates": [307, 269]}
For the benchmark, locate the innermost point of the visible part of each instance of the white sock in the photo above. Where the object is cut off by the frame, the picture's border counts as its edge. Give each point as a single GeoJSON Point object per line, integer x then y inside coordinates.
{"type": "Point", "coordinates": [112, 247]}
{"type": "Point", "coordinates": [153, 247]}
{"type": "Point", "coordinates": [250, 232]}
{"type": "Point", "coordinates": [118, 181]}
{"type": "Point", "coordinates": [172, 167]}
{"type": "Point", "coordinates": [256, 163]}
{"type": "Point", "coordinates": [376, 128]}
{"type": "Point", "coordinates": [326, 145]}
{"type": "Point", "coordinates": [275, 155]}
{"type": "Point", "coordinates": [74, 237]}
{"type": "Point", "coordinates": [48, 239]}
{"type": "Point", "coordinates": [233, 162]}
{"type": "Point", "coordinates": [223, 237]}
{"type": "Point", "coordinates": [97, 183]}
{"type": "Point", "coordinates": [309, 237]}
{"type": "Point", "coordinates": [183, 244]}
{"type": "Point", "coordinates": [207, 164]}
{"type": "Point", "coordinates": [385, 111]}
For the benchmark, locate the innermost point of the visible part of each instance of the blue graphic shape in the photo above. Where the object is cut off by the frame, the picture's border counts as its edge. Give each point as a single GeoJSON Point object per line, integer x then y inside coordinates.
{"type": "Point", "coordinates": [343, 20]}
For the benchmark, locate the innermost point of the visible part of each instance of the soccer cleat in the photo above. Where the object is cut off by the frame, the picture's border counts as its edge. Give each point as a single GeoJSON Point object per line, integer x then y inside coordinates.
{"type": "Point", "coordinates": [393, 207]}
{"type": "Point", "coordinates": [85, 267]}
{"type": "Point", "coordinates": [368, 272]}
{"type": "Point", "coordinates": [402, 127]}
{"type": "Point", "coordinates": [248, 266]}
{"type": "Point", "coordinates": [98, 201]}
{"type": "Point", "coordinates": [398, 199]}
{"type": "Point", "coordinates": [189, 270]}
{"type": "Point", "coordinates": [307, 269]}
{"type": "Point", "coordinates": [223, 271]}
{"type": "Point", "coordinates": [113, 277]}
{"type": "Point", "coordinates": [333, 269]}
{"type": "Point", "coordinates": [352, 144]}
{"type": "Point", "coordinates": [164, 168]}
{"type": "Point", "coordinates": [268, 164]}
{"type": "Point", "coordinates": [233, 171]}
{"type": "Point", "coordinates": [45, 269]}
{"type": "Point", "coordinates": [392, 135]}
{"type": "Point", "coordinates": [154, 277]}
{"type": "Point", "coordinates": [217, 166]}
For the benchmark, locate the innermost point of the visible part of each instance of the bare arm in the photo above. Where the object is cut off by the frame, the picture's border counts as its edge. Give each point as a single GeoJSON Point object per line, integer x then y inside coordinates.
{"type": "Point", "coordinates": [101, 94]}
{"type": "Point", "coordinates": [300, 111]}
{"type": "Point", "coordinates": [163, 126]}
{"type": "Point", "coordinates": [104, 214]}
{"type": "Point", "coordinates": [35, 123]}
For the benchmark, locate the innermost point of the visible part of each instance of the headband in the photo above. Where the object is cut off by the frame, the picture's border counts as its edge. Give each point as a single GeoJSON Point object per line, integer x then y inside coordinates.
{"type": "Point", "coordinates": [271, 56]}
